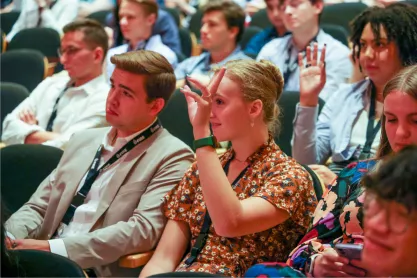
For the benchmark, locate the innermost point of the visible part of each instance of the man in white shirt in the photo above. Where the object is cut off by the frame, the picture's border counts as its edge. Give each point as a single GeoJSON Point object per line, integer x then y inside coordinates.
{"type": "Point", "coordinates": [69, 101]}
{"type": "Point", "coordinates": [221, 30]}
{"type": "Point", "coordinates": [103, 201]}
{"type": "Point", "coordinates": [137, 18]}
{"type": "Point", "coordinates": [301, 17]}
{"type": "Point", "coordinates": [53, 14]}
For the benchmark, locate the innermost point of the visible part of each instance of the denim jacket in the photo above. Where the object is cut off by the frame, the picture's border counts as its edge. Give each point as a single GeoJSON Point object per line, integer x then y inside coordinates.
{"type": "Point", "coordinates": [315, 140]}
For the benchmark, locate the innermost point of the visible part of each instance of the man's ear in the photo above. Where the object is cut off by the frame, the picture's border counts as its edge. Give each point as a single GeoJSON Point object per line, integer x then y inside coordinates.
{"type": "Point", "coordinates": [319, 5]}
{"type": "Point", "coordinates": [157, 106]}
{"type": "Point", "coordinates": [234, 31]}
{"type": "Point", "coordinates": [151, 19]}
{"type": "Point", "coordinates": [99, 54]}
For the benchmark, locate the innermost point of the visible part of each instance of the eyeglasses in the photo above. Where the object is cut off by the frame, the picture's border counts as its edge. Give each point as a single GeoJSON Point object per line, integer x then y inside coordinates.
{"type": "Point", "coordinates": [69, 51]}
{"type": "Point", "coordinates": [397, 219]}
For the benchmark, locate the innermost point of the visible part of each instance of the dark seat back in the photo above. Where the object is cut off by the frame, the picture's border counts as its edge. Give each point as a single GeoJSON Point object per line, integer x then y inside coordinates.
{"type": "Point", "coordinates": [45, 40]}
{"type": "Point", "coordinates": [23, 168]}
{"type": "Point", "coordinates": [337, 32]}
{"type": "Point", "coordinates": [7, 20]}
{"type": "Point", "coordinates": [195, 23]}
{"type": "Point", "coordinates": [287, 104]}
{"type": "Point", "coordinates": [175, 118]}
{"type": "Point", "coordinates": [248, 34]}
{"type": "Point", "coordinates": [100, 16]}
{"type": "Point", "coordinates": [186, 42]}
{"type": "Point", "coordinates": [342, 13]}
{"type": "Point", "coordinates": [11, 95]}
{"type": "Point", "coordinates": [35, 263]}
{"type": "Point", "coordinates": [260, 19]}
{"type": "Point", "coordinates": [23, 66]}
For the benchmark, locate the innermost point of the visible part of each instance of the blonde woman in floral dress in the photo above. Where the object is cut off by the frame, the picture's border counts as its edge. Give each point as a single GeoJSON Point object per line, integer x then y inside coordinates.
{"type": "Point", "coordinates": [259, 200]}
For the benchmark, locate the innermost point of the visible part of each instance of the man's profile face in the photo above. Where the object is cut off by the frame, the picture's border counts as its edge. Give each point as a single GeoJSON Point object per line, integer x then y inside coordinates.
{"type": "Point", "coordinates": [127, 106]}
{"type": "Point", "coordinates": [77, 57]}
{"type": "Point", "coordinates": [134, 23]}
{"type": "Point", "coordinates": [215, 32]}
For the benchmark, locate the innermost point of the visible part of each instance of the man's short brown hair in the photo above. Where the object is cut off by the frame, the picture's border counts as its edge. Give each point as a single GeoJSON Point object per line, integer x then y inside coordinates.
{"type": "Point", "coordinates": [149, 6]}
{"type": "Point", "coordinates": [94, 34]}
{"type": "Point", "coordinates": [232, 12]}
{"type": "Point", "coordinates": [160, 78]}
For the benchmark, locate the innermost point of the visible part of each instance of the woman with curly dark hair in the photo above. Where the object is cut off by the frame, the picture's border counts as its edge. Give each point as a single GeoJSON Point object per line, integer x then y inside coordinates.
{"type": "Point", "coordinates": [348, 128]}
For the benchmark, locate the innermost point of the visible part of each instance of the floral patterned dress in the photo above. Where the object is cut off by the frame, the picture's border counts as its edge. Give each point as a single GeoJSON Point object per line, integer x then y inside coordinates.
{"type": "Point", "coordinates": [273, 176]}
{"type": "Point", "coordinates": [337, 219]}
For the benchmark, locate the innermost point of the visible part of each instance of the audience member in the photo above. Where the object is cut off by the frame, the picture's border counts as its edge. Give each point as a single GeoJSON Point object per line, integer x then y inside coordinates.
{"type": "Point", "coordinates": [258, 199]}
{"type": "Point", "coordinates": [164, 26]}
{"type": "Point", "coordinates": [390, 217]}
{"type": "Point", "coordinates": [137, 18]}
{"type": "Point", "coordinates": [301, 17]}
{"type": "Point", "coordinates": [273, 9]}
{"type": "Point", "coordinates": [87, 7]}
{"type": "Point", "coordinates": [104, 199]}
{"type": "Point", "coordinates": [339, 215]}
{"type": "Point", "coordinates": [67, 102]}
{"type": "Point", "coordinates": [53, 14]}
{"type": "Point", "coordinates": [221, 30]}
{"type": "Point", "coordinates": [348, 128]}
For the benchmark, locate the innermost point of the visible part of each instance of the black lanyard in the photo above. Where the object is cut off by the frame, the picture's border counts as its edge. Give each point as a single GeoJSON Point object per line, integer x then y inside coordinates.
{"type": "Point", "coordinates": [371, 131]}
{"type": "Point", "coordinates": [94, 171]}
{"type": "Point", "coordinates": [202, 237]}
{"type": "Point", "coordinates": [55, 109]}
{"type": "Point", "coordinates": [290, 68]}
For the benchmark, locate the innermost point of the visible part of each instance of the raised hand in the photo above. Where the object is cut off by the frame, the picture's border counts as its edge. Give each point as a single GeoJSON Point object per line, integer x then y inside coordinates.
{"type": "Point", "coordinates": [312, 75]}
{"type": "Point", "coordinates": [199, 107]}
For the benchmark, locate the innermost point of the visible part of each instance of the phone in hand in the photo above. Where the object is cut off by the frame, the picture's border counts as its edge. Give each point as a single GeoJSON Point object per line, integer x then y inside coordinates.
{"type": "Point", "coordinates": [350, 251]}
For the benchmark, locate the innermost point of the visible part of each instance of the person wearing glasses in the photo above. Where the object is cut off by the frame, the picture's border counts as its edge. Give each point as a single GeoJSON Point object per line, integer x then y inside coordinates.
{"type": "Point", "coordinates": [338, 217]}
{"type": "Point", "coordinates": [69, 101]}
{"type": "Point", "coordinates": [390, 217]}
{"type": "Point", "coordinates": [301, 18]}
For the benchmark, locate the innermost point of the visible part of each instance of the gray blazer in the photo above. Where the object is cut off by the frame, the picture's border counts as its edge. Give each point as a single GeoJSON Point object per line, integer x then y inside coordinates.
{"type": "Point", "coordinates": [129, 217]}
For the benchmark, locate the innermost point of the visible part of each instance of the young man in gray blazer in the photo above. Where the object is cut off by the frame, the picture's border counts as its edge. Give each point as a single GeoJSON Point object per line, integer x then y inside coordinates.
{"type": "Point", "coordinates": [104, 199]}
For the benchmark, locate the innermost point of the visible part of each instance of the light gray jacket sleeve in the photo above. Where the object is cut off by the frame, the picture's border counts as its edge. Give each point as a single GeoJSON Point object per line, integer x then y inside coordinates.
{"type": "Point", "coordinates": [311, 137]}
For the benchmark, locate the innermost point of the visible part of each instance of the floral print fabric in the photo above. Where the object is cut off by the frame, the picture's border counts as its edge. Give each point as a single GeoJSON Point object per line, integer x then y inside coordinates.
{"type": "Point", "coordinates": [338, 216]}
{"type": "Point", "coordinates": [273, 176]}
{"type": "Point", "coordinates": [337, 219]}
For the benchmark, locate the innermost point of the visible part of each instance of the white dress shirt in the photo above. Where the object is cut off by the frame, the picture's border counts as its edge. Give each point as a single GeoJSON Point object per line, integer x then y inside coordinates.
{"type": "Point", "coordinates": [62, 13]}
{"type": "Point", "coordinates": [338, 65]}
{"type": "Point", "coordinates": [154, 43]}
{"type": "Point", "coordinates": [82, 221]}
{"type": "Point", "coordinates": [79, 108]}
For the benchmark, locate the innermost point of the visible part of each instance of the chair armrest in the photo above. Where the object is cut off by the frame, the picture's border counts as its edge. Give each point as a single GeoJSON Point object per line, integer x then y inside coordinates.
{"type": "Point", "coordinates": [135, 260]}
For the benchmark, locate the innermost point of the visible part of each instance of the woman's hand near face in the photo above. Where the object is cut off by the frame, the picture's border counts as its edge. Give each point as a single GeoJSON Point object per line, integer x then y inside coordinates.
{"type": "Point", "coordinates": [325, 174]}
{"type": "Point", "coordinates": [331, 264]}
{"type": "Point", "coordinates": [199, 107]}
{"type": "Point", "coordinates": [312, 76]}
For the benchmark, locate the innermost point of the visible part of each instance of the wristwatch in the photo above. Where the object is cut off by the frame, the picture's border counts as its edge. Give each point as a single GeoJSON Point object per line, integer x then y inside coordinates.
{"type": "Point", "coordinates": [309, 266]}
{"type": "Point", "coordinates": [207, 141]}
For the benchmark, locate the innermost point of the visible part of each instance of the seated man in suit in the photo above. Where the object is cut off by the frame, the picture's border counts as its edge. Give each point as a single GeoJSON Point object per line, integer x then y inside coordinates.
{"type": "Point", "coordinates": [136, 19]}
{"type": "Point", "coordinates": [221, 30]}
{"type": "Point", "coordinates": [67, 102]}
{"type": "Point", "coordinates": [104, 199]}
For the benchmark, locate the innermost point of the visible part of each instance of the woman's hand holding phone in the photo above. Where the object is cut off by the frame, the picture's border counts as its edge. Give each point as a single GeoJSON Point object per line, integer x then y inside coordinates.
{"type": "Point", "coordinates": [331, 264]}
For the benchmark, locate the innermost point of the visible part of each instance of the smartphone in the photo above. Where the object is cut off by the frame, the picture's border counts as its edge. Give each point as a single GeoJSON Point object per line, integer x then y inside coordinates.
{"type": "Point", "coordinates": [350, 251]}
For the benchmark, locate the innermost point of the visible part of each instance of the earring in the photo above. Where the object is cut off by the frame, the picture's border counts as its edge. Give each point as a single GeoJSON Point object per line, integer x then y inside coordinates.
{"type": "Point", "coordinates": [252, 124]}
